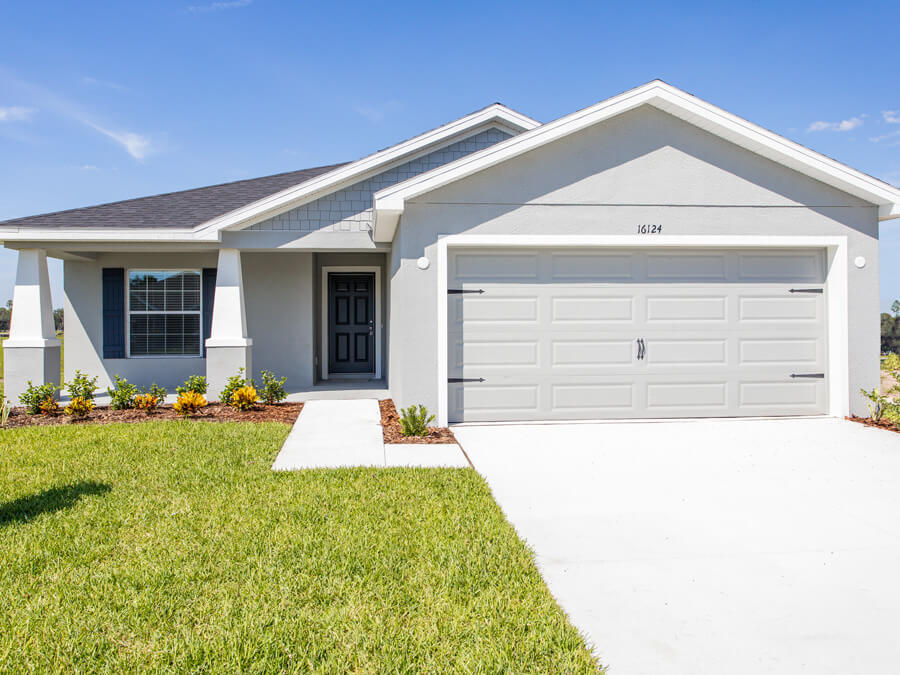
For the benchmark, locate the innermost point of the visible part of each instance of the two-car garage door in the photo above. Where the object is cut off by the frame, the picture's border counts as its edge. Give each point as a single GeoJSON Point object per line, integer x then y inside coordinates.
{"type": "Point", "coordinates": [544, 334]}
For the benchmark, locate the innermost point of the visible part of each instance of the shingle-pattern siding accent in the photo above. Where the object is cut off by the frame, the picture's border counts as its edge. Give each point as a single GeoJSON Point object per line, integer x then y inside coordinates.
{"type": "Point", "coordinates": [350, 209]}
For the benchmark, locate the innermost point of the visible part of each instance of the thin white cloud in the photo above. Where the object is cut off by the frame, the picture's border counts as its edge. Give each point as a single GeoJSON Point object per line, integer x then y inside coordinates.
{"type": "Point", "coordinates": [891, 116]}
{"type": "Point", "coordinates": [886, 137]}
{"type": "Point", "coordinates": [844, 125]}
{"type": "Point", "coordinates": [136, 145]}
{"type": "Point", "coordinates": [15, 113]}
{"type": "Point", "coordinates": [90, 167]}
{"type": "Point", "coordinates": [106, 84]}
{"type": "Point", "coordinates": [218, 6]}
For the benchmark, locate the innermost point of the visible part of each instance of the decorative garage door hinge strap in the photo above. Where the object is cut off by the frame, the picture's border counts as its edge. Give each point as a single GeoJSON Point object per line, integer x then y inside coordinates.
{"type": "Point", "coordinates": [805, 290]}
{"type": "Point", "coordinates": [465, 379]}
{"type": "Point", "coordinates": [815, 376]}
{"type": "Point", "coordinates": [460, 291]}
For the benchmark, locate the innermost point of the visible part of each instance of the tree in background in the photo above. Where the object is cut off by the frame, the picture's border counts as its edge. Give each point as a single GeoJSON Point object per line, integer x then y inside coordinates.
{"type": "Point", "coordinates": [890, 330]}
{"type": "Point", "coordinates": [58, 319]}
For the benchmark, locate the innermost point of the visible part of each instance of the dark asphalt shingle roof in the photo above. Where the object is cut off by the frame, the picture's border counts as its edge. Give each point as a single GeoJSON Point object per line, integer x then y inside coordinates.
{"type": "Point", "coordinates": [184, 209]}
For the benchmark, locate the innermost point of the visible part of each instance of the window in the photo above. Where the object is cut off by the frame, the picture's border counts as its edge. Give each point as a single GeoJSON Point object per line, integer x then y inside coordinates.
{"type": "Point", "coordinates": [164, 312]}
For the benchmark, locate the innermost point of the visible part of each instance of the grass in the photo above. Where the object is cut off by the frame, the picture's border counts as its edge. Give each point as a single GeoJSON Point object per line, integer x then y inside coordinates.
{"type": "Point", "coordinates": [173, 547]}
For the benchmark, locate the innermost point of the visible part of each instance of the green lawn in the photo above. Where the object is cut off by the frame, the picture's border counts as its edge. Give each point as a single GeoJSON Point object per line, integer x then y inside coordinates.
{"type": "Point", "coordinates": [171, 546]}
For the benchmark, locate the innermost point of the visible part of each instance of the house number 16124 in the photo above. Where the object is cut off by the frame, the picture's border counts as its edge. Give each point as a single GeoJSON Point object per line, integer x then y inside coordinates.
{"type": "Point", "coordinates": [649, 229]}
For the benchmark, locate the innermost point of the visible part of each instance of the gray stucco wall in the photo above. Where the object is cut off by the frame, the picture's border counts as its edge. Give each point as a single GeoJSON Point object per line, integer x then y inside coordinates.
{"type": "Point", "coordinates": [642, 167]}
{"type": "Point", "coordinates": [83, 305]}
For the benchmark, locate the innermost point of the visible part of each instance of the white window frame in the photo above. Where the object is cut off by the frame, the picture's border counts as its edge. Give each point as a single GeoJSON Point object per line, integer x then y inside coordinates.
{"type": "Point", "coordinates": [128, 271]}
{"type": "Point", "coordinates": [351, 269]}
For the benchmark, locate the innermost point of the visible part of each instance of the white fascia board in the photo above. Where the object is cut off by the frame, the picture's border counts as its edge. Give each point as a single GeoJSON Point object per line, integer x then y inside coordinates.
{"type": "Point", "coordinates": [493, 115]}
{"type": "Point", "coordinates": [49, 234]}
{"type": "Point", "coordinates": [392, 199]}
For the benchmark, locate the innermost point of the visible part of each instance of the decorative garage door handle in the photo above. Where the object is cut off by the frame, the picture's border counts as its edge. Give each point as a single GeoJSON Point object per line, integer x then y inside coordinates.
{"type": "Point", "coordinates": [642, 349]}
{"type": "Point", "coordinates": [460, 291]}
{"type": "Point", "coordinates": [464, 379]}
{"type": "Point", "coordinates": [814, 376]}
{"type": "Point", "coordinates": [806, 290]}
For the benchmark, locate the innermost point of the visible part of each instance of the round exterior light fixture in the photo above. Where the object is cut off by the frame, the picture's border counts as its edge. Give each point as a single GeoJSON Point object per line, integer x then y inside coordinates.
{"type": "Point", "coordinates": [423, 263]}
{"type": "Point", "coordinates": [859, 261]}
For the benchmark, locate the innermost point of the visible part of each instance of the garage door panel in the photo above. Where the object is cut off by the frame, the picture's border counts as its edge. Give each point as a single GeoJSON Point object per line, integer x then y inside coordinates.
{"type": "Point", "coordinates": [591, 309]}
{"type": "Point", "coordinates": [683, 308]}
{"type": "Point", "coordinates": [593, 267]}
{"type": "Point", "coordinates": [782, 267]}
{"type": "Point", "coordinates": [722, 334]}
{"type": "Point", "coordinates": [663, 267]}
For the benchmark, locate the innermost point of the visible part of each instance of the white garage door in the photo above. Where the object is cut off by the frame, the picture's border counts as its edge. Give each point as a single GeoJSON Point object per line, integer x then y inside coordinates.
{"type": "Point", "coordinates": [574, 334]}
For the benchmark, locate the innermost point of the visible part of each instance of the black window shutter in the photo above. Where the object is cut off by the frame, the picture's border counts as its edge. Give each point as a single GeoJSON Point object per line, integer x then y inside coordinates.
{"type": "Point", "coordinates": [113, 313]}
{"type": "Point", "coordinates": [209, 296]}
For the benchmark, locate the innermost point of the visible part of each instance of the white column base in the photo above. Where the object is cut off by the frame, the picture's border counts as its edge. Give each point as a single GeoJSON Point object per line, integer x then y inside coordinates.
{"type": "Point", "coordinates": [223, 359]}
{"type": "Point", "coordinates": [23, 360]}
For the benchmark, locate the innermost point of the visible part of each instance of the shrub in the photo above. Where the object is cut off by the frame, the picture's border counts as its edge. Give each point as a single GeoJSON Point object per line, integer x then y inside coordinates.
{"type": "Point", "coordinates": [82, 386]}
{"type": "Point", "coordinates": [189, 403]}
{"type": "Point", "coordinates": [878, 404]}
{"type": "Point", "coordinates": [155, 391]}
{"type": "Point", "coordinates": [891, 362]}
{"type": "Point", "coordinates": [195, 384]}
{"type": "Point", "coordinates": [235, 382]}
{"type": "Point", "coordinates": [146, 402]}
{"type": "Point", "coordinates": [244, 398]}
{"type": "Point", "coordinates": [121, 397]}
{"type": "Point", "coordinates": [5, 410]}
{"type": "Point", "coordinates": [36, 397]}
{"type": "Point", "coordinates": [273, 389]}
{"type": "Point", "coordinates": [79, 407]}
{"type": "Point", "coordinates": [49, 406]}
{"type": "Point", "coordinates": [414, 421]}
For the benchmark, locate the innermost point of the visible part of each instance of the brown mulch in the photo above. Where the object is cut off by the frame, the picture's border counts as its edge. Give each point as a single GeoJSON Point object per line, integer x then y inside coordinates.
{"type": "Point", "coordinates": [215, 412]}
{"type": "Point", "coordinates": [869, 422]}
{"type": "Point", "coordinates": [390, 428]}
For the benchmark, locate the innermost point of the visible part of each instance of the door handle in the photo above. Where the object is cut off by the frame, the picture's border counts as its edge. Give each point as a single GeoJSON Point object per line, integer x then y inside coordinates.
{"type": "Point", "coordinates": [640, 346]}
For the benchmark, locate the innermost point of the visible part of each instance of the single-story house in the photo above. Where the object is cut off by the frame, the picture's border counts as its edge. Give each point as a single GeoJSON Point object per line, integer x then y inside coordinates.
{"type": "Point", "coordinates": [651, 256]}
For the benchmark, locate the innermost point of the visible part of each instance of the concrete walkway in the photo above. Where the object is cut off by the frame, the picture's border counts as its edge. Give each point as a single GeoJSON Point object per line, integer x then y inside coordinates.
{"type": "Point", "coordinates": [695, 547]}
{"type": "Point", "coordinates": [339, 433]}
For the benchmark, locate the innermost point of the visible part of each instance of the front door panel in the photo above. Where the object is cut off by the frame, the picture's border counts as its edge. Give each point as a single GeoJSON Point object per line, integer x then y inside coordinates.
{"type": "Point", "coordinates": [351, 323]}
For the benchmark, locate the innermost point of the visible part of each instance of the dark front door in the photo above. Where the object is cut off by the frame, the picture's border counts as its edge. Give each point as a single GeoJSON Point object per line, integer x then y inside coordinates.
{"type": "Point", "coordinates": [351, 323]}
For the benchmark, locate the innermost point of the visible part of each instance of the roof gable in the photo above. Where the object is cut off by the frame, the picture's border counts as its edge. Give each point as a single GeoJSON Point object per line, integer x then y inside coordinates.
{"type": "Point", "coordinates": [390, 202]}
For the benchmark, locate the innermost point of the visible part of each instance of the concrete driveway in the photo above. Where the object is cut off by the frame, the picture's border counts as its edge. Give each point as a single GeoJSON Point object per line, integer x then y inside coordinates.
{"type": "Point", "coordinates": [733, 546]}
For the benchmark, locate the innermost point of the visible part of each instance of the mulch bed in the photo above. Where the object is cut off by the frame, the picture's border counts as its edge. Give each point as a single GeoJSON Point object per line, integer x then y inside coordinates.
{"type": "Point", "coordinates": [390, 428]}
{"type": "Point", "coordinates": [870, 423]}
{"type": "Point", "coordinates": [214, 412]}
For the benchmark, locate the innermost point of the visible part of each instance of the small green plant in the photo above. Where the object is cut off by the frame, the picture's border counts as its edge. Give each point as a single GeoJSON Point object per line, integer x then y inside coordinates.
{"type": "Point", "coordinates": [189, 403]}
{"type": "Point", "coordinates": [414, 421]}
{"type": "Point", "coordinates": [155, 391]}
{"type": "Point", "coordinates": [82, 386]}
{"type": "Point", "coordinates": [121, 396]}
{"type": "Point", "coordinates": [891, 362]}
{"type": "Point", "coordinates": [878, 404]}
{"type": "Point", "coordinates": [244, 398]}
{"type": "Point", "coordinates": [37, 399]}
{"type": "Point", "coordinates": [272, 388]}
{"type": "Point", "coordinates": [79, 407]}
{"type": "Point", "coordinates": [235, 382]}
{"type": "Point", "coordinates": [195, 384]}
{"type": "Point", "coordinates": [5, 410]}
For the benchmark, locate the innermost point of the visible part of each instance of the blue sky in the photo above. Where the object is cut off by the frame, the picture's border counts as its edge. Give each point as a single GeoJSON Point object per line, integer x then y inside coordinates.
{"type": "Point", "coordinates": [107, 101]}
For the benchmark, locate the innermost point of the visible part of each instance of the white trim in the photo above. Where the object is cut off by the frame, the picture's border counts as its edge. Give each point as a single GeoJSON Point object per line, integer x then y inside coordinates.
{"type": "Point", "coordinates": [128, 271]}
{"type": "Point", "coordinates": [292, 197]}
{"type": "Point", "coordinates": [390, 202]}
{"type": "Point", "coordinates": [349, 269]}
{"type": "Point", "coordinates": [836, 283]}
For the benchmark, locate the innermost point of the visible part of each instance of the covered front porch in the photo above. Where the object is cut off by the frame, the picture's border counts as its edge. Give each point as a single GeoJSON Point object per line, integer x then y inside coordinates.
{"type": "Point", "coordinates": [159, 316]}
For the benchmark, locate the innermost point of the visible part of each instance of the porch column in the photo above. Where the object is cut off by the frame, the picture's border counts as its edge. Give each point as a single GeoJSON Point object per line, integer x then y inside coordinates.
{"type": "Point", "coordinates": [32, 351]}
{"type": "Point", "coordinates": [228, 348]}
